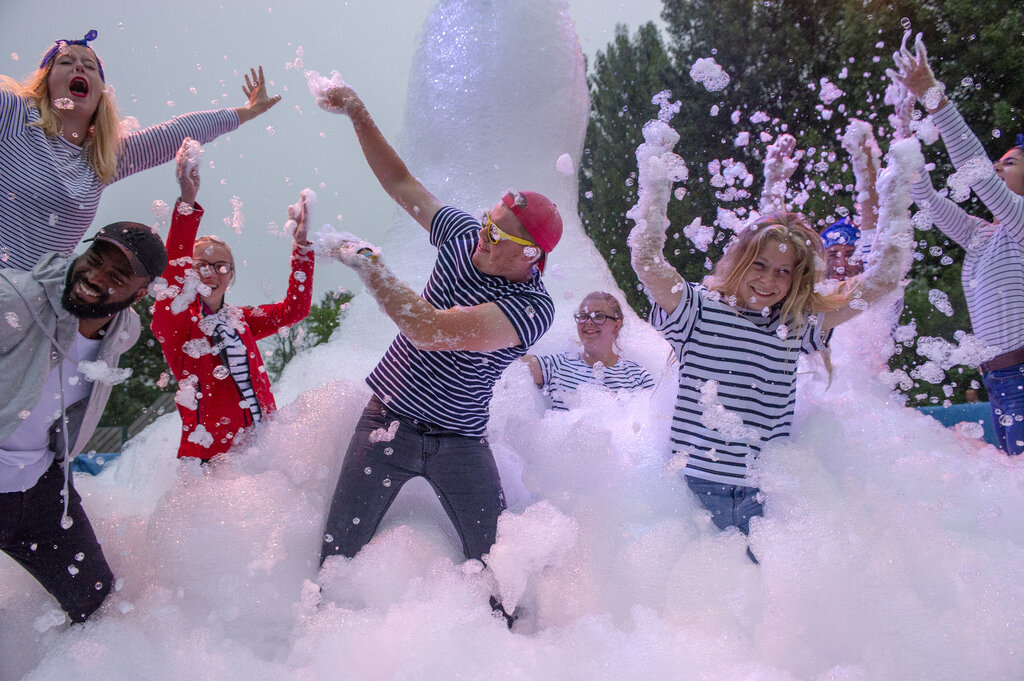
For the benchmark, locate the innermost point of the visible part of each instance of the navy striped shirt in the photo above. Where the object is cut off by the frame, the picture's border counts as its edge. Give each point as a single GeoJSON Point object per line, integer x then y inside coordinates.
{"type": "Point", "coordinates": [48, 191]}
{"type": "Point", "coordinates": [755, 370]}
{"type": "Point", "coordinates": [236, 357]}
{"type": "Point", "coordinates": [452, 389]}
{"type": "Point", "coordinates": [564, 374]}
{"type": "Point", "coordinates": [993, 269]}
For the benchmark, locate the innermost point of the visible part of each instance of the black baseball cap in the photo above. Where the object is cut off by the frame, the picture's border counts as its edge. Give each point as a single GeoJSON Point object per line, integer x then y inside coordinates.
{"type": "Point", "coordinates": [144, 249]}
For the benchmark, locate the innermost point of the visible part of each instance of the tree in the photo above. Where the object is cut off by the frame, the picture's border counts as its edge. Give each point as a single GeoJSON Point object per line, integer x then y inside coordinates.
{"type": "Point", "coordinates": [316, 328]}
{"type": "Point", "coordinates": [777, 54]}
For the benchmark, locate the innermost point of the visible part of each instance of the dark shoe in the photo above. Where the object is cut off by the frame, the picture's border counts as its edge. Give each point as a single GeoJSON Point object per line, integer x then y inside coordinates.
{"type": "Point", "coordinates": [499, 612]}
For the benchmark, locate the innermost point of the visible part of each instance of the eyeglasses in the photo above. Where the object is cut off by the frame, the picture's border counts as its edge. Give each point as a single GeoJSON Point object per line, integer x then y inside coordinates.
{"type": "Point", "coordinates": [495, 233]}
{"type": "Point", "coordinates": [207, 268]}
{"type": "Point", "coordinates": [598, 318]}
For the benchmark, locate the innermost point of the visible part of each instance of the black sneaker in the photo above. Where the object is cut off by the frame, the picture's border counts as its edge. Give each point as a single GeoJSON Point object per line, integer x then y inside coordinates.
{"type": "Point", "coordinates": [499, 612]}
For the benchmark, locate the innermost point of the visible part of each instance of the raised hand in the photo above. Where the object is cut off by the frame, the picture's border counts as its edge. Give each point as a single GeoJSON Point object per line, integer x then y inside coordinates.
{"type": "Point", "coordinates": [340, 99]}
{"type": "Point", "coordinates": [346, 248]}
{"type": "Point", "coordinates": [914, 73]}
{"type": "Point", "coordinates": [298, 216]}
{"type": "Point", "coordinates": [188, 157]}
{"type": "Point", "coordinates": [255, 90]}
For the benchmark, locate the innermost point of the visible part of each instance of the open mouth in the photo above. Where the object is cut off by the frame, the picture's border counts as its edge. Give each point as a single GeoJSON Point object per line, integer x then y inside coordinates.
{"type": "Point", "coordinates": [79, 87]}
{"type": "Point", "coordinates": [87, 291]}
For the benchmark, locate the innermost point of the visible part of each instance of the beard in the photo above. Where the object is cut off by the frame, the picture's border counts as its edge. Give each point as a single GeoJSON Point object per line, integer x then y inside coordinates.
{"type": "Point", "coordinates": [98, 310]}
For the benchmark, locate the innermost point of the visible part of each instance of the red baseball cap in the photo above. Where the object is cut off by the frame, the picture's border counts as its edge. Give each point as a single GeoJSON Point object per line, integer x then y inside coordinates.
{"type": "Point", "coordinates": [539, 216]}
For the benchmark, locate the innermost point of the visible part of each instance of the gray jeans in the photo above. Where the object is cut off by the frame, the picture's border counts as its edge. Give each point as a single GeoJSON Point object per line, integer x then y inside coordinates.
{"type": "Point", "coordinates": [460, 469]}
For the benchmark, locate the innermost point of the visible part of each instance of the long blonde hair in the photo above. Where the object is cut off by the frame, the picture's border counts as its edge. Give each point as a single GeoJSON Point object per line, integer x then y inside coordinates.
{"type": "Point", "coordinates": [792, 230]}
{"type": "Point", "coordinates": [103, 140]}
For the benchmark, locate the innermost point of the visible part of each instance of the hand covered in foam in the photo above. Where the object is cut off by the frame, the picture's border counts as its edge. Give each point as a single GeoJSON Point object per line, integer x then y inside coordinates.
{"type": "Point", "coordinates": [298, 216]}
{"type": "Point", "coordinates": [333, 94]}
{"type": "Point", "coordinates": [914, 73]}
{"type": "Point", "coordinates": [188, 157]}
{"type": "Point", "coordinates": [346, 248]}
{"type": "Point", "coordinates": [780, 161]}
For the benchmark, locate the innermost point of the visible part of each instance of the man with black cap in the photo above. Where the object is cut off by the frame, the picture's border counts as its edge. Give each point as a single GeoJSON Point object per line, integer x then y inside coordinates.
{"type": "Point", "coordinates": [66, 323]}
{"type": "Point", "coordinates": [482, 308]}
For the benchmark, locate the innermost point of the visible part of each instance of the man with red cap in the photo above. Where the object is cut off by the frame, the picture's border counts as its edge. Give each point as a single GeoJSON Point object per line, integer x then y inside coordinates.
{"type": "Point", "coordinates": [482, 308]}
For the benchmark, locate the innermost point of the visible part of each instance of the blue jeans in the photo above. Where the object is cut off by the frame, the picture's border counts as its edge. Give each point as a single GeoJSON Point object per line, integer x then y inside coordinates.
{"type": "Point", "coordinates": [1006, 398]}
{"type": "Point", "coordinates": [730, 505]}
{"type": "Point", "coordinates": [461, 470]}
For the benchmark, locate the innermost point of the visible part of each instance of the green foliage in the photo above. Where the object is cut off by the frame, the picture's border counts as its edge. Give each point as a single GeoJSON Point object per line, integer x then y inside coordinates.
{"type": "Point", "coordinates": [150, 375]}
{"type": "Point", "coordinates": [315, 329]}
{"type": "Point", "coordinates": [776, 53]}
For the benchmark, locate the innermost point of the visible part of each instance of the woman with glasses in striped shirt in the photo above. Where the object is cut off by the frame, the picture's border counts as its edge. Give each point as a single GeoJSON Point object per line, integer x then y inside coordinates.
{"type": "Point", "coordinates": [598, 322]}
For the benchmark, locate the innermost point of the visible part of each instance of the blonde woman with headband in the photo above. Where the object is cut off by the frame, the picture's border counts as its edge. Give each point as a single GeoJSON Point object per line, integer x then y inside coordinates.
{"type": "Point", "coordinates": [61, 145]}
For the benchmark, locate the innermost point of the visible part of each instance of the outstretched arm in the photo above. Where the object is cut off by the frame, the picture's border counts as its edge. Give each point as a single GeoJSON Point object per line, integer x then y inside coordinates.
{"type": "Point", "coordinates": [384, 161]}
{"type": "Point", "coordinates": [890, 256]}
{"type": "Point", "coordinates": [965, 149]}
{"type": "Point", "coordinates": [170, 323]}
{"type": "Point", "coordinates": [268, 319]}
{"type": "Point", "coordinates": [157, 144]}
{"type": "Point", "coordinates": [658, 167]}
{"type": "Point", "coordinates": [480, 328]}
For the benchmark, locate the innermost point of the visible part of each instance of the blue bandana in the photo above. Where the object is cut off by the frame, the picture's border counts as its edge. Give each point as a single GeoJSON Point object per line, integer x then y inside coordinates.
{"type": "Point", "coordinates": [89, 37]}
{"type": "Point", "coordinates": [841, 232]}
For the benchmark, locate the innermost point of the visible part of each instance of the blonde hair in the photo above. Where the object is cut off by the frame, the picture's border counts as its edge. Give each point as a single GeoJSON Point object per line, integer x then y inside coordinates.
{"type": "Point", "coordinates": [792, 230]}
{"type": "Point", "coordinates": [606, 297]}
{"type": "Point", "coordinates": [102, 144]}
{"type": "Point", "coordinates": [213, 239]}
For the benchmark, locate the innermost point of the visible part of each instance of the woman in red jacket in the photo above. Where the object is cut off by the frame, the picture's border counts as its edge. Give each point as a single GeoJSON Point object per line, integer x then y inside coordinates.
{"type": "Point", "coordinates": [210, 345]}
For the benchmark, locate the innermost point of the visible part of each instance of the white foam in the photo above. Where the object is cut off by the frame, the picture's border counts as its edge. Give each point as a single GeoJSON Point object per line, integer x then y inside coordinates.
{"type": "Point", "coordinates": [890, 547]}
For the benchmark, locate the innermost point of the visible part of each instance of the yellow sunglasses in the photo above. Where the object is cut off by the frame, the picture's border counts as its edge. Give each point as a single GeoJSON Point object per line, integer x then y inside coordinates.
{"type": "Point", "coordinates": [496, 234]}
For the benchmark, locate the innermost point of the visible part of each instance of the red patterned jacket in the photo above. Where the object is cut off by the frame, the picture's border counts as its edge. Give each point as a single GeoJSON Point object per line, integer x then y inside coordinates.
{"type": "Point", "coordinates": [203, 398]}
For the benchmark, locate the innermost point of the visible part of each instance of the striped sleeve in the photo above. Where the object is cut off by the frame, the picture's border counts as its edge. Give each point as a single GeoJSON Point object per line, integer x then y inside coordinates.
{"type": "Point", "coordinates": [159, 143]}
{"type": "Point", "coordinates": [547, 368]}
{"type": "Point", "coordinates": [12, 113]}
{"type": "Point", "coordinates": [953, 220]}
{"type": "Point", "coordinates": [450, 223]}
{"type": "Point", "coordinates": [963, 146]}
{"type": "Point", "coordinates": [676, 325]}
{"type": "Point", "coordinates": [531, 314]}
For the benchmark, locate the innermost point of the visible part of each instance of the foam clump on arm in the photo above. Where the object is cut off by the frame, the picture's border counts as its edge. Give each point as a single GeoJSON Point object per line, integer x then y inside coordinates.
{"type": "Point", "coordinates": [780, 162]}
{"type": "Point", "coordinates": [319, 86]}
{"type": "Point", "coordinates": [890, 257]}
{"type": "Point", "coordinates": [658, 167]}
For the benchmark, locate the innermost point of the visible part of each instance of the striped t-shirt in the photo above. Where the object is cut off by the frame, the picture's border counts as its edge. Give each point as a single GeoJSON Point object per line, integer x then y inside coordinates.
{"type": "Point", "coordinates": [563, 374]}
{"type": "Point", "coordinates": [753, 360]}
{"type": "Point", "coordinates": [236, 359]}
{"type": "Point", "coordinates": [993, 268]}
{"type": "Point", "coordinates": [452, 389]}
{"type": "Point", "coordinates": [48, 191]}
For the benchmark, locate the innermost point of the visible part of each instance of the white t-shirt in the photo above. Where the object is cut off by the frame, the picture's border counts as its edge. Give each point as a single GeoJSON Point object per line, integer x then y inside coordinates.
{"type": "Point", "coordinates": [25, 455]}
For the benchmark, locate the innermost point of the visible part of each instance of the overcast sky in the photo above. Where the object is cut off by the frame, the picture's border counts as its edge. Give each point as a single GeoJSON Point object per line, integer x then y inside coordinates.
{"type": "Point", "coordinates": [187, 55]}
